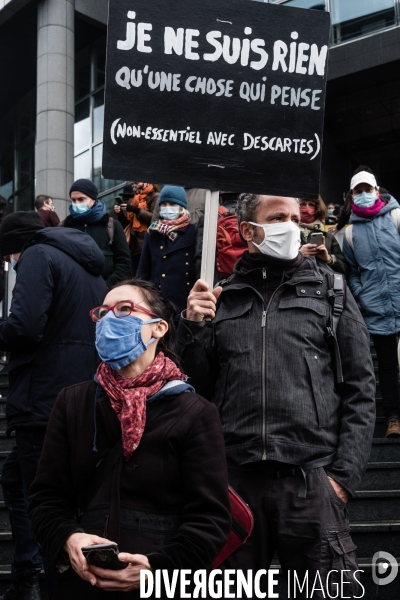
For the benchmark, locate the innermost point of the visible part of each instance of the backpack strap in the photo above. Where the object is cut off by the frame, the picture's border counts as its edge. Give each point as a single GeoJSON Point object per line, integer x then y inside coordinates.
{"type": "Point", "coordinates": [336, 297]}
{"type": "Point", "coordinates": [110, 230]}
{"type": "Point", "coordinates": [348, 232]}
{"type": "Point", "coordinates": [396, 218]}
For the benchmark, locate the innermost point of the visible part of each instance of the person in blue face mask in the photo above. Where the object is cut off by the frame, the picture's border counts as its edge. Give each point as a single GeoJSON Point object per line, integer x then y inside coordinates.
{"type": "Point", "coordinates": [168, 254]}
{"type": "Point", "coordinates": [165, 501]}
{"type": "Point", "coordinates": [372, 249]}
{"type": "Point", "coordinates": [89, 214]}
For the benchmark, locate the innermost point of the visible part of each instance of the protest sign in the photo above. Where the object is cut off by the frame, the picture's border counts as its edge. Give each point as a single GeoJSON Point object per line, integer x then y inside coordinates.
{"type": "Point", "coordinates": [219, 94]}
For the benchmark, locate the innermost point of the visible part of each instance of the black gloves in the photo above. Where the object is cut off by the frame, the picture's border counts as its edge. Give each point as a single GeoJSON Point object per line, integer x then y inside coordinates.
{"type": "Point", "coordinates": [134, 209]}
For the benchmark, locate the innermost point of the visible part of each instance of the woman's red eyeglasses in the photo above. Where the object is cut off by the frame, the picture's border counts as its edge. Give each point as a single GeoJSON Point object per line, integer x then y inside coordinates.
{"type": "Point", "coordinates": [122, 309]}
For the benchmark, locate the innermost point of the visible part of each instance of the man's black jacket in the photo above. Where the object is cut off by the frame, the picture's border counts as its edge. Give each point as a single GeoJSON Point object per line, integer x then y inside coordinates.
{"type": "Point", "coordinates": [265, 362]}
{"type": "Point", "coordinates": [49, 331]}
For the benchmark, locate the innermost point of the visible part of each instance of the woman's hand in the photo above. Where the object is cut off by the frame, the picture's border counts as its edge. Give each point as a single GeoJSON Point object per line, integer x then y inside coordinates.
{"type": "Point", "coordinates": [309, 250]}
{"type": "Point", "coordinates": [322, 253]}
{"type": "Point", "coordinates": [201, 302]}
{"type": "Point", "coordinates": [73, 546]}
{"type": "Point", "coordinates": [125, 580]}
{"type": "Point", "coordinates": [318, 251]}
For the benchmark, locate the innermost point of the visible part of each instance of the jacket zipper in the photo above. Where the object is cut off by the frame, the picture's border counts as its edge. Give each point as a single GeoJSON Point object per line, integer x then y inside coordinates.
{"type": "Point", "coordinates": [263, 367]}
{"type": "Point", "coordinates": [263, 379]}
{"type": "Point", "coordinates": [264, 355]}
{"type": "Point", "coordinates": [264, 390]}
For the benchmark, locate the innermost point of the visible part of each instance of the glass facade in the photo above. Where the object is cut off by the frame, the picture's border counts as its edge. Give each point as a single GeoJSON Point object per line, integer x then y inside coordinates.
{"type": "Point", "coordinates": [89, 119]}
{"type": "Point", "coordinates": [360, 17]}
{"type": "Point", "coordinates": [17, 154]}
{"type": "Point", "coordinates": [351, 19]}
{"type": "Point", "coordinates": [313, 4]}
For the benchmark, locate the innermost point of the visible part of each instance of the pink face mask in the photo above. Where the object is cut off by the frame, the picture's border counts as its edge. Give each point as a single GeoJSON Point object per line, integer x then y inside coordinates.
{"type": "Point", "coordinates": [307, 214]}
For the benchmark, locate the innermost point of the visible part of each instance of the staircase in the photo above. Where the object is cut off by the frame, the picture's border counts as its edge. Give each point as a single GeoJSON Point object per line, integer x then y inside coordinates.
{"type": "Point", "coordinates": [6, 542]}
{"type": "Point", "coordinates": [374, 511]}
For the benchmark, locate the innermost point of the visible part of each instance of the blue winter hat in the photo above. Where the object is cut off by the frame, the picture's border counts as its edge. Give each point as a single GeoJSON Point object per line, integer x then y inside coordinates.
{"type": "Point", "coordinates": [173, 193]}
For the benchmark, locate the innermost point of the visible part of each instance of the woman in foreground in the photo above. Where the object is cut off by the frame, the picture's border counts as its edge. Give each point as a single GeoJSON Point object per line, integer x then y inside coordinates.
{"type": "Point", "coordinates": [165, 502]}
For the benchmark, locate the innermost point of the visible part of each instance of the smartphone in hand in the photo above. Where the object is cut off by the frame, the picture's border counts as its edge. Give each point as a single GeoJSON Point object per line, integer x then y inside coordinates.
{"type": "Point", "coordinates": [317, 238]}
{"type": "Point", "coordinates": [104, 556]}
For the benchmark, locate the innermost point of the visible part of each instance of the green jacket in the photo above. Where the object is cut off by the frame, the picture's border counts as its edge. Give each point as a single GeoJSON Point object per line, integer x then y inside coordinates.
{"type": "Point", "coordinates": [118, 265]}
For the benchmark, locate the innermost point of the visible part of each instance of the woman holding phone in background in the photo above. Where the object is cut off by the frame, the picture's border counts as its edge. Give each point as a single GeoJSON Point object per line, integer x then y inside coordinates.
{"type": "Point", "coordinates": [313, 214]}
{"type": "Point", "coordinates": [165, 502]}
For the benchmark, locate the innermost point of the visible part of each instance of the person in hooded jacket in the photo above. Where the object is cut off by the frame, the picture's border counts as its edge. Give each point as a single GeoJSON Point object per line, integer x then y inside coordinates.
{"type": "Point", "coordinates": [372, 249]}
{"type": "Point", "coordinates": [89, 214]}
{"type": "Point", "coordinates": [52, 344]}
{"type": "Point", "coordinates": [168, 255]}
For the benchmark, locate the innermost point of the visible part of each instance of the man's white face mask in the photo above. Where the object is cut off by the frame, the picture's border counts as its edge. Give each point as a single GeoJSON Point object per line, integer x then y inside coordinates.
{"type": "Point", "coordinates": [281, 240]}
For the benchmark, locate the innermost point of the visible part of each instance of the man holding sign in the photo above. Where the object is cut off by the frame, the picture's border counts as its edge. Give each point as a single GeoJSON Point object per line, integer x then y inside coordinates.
{"type": "Point", "coordinates": [229, 94]}
{"type": "Point", "coordinates": [297, 442]}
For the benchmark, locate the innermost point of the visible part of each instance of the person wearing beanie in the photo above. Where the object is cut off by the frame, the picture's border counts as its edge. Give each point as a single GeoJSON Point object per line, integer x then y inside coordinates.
{"type": "Point", "coordinates": [135, 214]}
{"type": "Point", "coordinates": [88, 214]}
{"type": "Point", "coordinates": [51, 342]}
{"type": "Point", "coordinates": [168, 255]}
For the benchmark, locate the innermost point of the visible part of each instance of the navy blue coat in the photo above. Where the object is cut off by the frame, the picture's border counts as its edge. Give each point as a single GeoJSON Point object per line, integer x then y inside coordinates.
{"type": "Point", "coordinates": [170, 264]}
{"type": "Point", "coordinates": [49, 331]}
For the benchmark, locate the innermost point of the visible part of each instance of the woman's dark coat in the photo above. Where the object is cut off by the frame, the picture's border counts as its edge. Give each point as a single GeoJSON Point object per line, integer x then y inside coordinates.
{"type": "Point", "coordinates": [49, 331]}
{"type": "Point", "coordinates": [170, 265]}
{"type": "Point", "coordinates": [169, 501]}
{"type": "Point", "coordinates": [117, 265]}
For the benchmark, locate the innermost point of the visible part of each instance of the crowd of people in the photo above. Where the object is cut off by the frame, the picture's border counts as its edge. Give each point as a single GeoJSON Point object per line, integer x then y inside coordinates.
{"type": "Point", "coordinates": [121, 356]}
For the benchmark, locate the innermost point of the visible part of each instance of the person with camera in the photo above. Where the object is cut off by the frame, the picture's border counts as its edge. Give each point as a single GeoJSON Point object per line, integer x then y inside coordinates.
{"type": "Point", "coordinates": [164, 500]}
{"type": "Point", "coordinates": [297, 436]}
{"type": "Point", "coordinates": [135, 213]}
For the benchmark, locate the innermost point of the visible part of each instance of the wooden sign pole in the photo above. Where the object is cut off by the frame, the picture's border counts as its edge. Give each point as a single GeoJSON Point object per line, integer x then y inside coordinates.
{"type": "Point", "coordinates": [209, 237]}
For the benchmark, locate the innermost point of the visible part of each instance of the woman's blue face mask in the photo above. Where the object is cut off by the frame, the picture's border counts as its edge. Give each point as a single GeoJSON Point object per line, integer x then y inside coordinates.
{"type": "Point", "coordinates": [365, 200]}
{"type": "Point", "coordinates": [119, 341]}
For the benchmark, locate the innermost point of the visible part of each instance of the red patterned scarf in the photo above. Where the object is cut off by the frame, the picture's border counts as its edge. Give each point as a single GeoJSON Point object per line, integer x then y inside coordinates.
{"type": "Point", "coordinates": [128, 396]}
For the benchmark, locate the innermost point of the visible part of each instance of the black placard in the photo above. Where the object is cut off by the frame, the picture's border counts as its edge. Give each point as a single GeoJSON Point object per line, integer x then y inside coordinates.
{"type": "Point", "coordinates": [218, 94]}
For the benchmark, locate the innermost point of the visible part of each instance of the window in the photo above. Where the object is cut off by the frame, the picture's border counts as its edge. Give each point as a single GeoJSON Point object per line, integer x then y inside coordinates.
{"type": "Point", "coordinates": [17, 152]}
{"type": "Point", "coordinates": [313, 4]}
{"type": "Point", "coordinates": [360, 17]}
{"type": "Point", "coordinates": [89, 118]}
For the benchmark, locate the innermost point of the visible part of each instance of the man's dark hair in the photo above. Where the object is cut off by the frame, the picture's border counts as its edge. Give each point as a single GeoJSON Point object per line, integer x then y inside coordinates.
{"type": "Point", "coordinates": [40, 201]}
{"type": "Point", "coordinates": [247, 207]}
